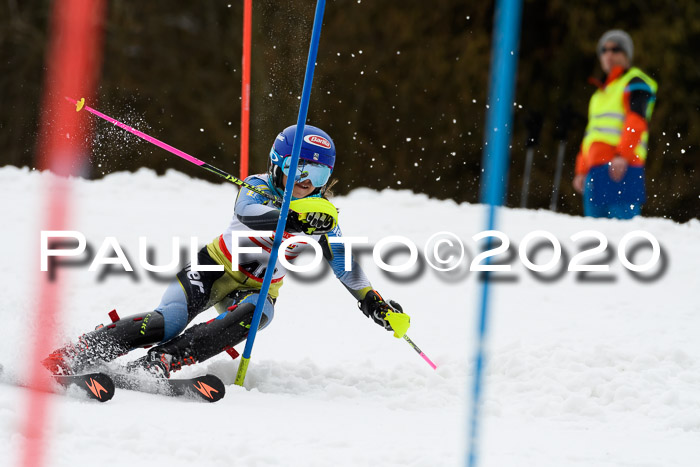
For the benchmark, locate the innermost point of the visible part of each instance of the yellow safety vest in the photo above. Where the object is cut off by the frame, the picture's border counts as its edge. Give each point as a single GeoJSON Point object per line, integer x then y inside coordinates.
{"type": "Point", "coordinates": [606, 113]}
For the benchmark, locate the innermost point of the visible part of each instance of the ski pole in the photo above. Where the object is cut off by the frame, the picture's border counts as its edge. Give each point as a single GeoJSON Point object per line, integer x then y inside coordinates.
{"type": "Point", "coordinates": [289, 187]}
{"type": "Point", "coordinates": [79, 105]}
{"type": "Point", "coordinates": [420, 352]}
{"type": "Point", "coordinates": [400, 326]}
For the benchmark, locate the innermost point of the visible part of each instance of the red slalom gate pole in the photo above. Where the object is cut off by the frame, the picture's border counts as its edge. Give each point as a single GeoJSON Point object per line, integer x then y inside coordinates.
{"type": "Point", "coordinates": [245, 87]}
{"type": "Point", "coordinates": [72, 67]}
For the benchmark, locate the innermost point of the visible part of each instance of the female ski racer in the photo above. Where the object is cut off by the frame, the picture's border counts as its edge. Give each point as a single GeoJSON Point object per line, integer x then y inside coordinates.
{"type": "Point", "coordinates": [234, 288]}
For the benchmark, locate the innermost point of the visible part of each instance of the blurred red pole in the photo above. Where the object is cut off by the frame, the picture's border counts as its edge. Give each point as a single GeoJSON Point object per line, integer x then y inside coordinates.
{"type": "Point", "coordinates": [245, 91]}
{"type": "Point", "coordinates": [72, 69]}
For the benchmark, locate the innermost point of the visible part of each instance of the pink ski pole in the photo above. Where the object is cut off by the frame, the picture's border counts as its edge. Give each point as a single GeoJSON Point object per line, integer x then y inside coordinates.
{"type": "Point", "coordinates": [79, 105]}
{"type": "Point", "coordinates": [420, 352]}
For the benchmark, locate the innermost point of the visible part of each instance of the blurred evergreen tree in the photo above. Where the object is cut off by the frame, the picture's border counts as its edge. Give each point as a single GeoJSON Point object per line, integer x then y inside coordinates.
{"type": "Point", "coordinates": [400, 86]}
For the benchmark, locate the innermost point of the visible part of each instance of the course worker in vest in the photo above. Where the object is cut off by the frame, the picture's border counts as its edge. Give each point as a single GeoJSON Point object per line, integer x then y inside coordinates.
{"type": "Point", "coordinates": [610, 164]}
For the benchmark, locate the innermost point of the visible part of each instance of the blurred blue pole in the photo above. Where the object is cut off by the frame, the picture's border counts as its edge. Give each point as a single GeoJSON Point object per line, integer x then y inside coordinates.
{"type": "Point", "coordinates": [289, 187]}
{"type": "Point", "coordinates": [499, 117]}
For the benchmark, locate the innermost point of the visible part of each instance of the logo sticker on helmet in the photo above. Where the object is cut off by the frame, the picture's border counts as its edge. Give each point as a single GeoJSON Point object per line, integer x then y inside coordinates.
{"type": "Point", "coordinates": [318, 141]}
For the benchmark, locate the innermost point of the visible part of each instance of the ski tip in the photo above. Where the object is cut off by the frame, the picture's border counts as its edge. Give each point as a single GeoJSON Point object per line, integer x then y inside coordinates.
{"type": "Point", "coordinates": [100, 386]}
{"type": "Point", "coordinates": [97, 386]}
{"type": "Point", "coordinates": [208, 388]}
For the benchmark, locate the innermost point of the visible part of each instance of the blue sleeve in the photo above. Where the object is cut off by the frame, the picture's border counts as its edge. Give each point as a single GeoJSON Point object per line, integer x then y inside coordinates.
{"type": "Point", "coordinates": [640, 96]}
{"type": "Point", "coordinates": [354, 280]}
{"type": "Point", "coordinates": [254, 210]}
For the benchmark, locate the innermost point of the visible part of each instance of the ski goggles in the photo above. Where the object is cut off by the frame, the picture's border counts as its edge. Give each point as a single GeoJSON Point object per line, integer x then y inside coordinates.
{"type": "Point", "coordinates": [317, 173]}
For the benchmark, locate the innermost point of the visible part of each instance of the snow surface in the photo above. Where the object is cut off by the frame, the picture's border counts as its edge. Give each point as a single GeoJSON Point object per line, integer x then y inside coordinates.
{"type": "Point", "coordinates": [580, 373]}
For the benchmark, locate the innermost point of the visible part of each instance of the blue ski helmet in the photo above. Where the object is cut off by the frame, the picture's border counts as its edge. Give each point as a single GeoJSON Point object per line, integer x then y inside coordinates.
{"type": "Point", "coordinates": [316, 159]}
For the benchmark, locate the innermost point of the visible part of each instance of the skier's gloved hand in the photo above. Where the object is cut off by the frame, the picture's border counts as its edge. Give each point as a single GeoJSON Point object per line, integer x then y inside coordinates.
{"type": "Point", "coordinates": [309, 222]}
{"type": "Point", "coordinates": [312, 216]}
{"type": "Point", "coordinates": [389, 315]}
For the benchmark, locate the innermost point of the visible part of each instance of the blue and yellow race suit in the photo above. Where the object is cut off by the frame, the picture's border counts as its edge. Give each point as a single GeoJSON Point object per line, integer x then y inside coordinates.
{"type": "Point", "coordinates": [196, 291]}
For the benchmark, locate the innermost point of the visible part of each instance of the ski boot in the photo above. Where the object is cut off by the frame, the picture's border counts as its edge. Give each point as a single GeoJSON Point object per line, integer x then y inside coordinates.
{"type": "Point", "coordinates": [199, 343]}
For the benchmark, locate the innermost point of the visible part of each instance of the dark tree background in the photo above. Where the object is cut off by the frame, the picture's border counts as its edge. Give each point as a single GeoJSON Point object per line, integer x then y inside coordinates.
{"type": "Point", "coordinates": [400, 86]}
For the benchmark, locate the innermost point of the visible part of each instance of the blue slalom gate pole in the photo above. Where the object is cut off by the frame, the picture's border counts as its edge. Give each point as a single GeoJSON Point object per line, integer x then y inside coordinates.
{"type": "Point", "coordinates": [289, 187]}
{"type": "Point", "coordinates": [504, 59]}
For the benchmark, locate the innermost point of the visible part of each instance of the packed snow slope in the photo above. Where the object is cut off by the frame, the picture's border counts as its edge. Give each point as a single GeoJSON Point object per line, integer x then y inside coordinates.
{"type": "Point", "coordinates": [599, 369]}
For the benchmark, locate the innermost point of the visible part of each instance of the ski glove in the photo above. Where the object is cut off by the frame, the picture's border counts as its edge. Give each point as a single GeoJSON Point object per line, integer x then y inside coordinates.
{"type": "Point", "coordinates": [312, 216]}
{"type": "Point", "coordinates": [309, 222]}
{"type": "Point", "coordinates": [389, 315]}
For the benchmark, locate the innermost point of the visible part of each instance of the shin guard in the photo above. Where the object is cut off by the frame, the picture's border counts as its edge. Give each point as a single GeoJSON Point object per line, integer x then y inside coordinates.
{"type": "Point", "coordinates": [108, 342]}
{"type": "Point", "coordinates": [205, 340]}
